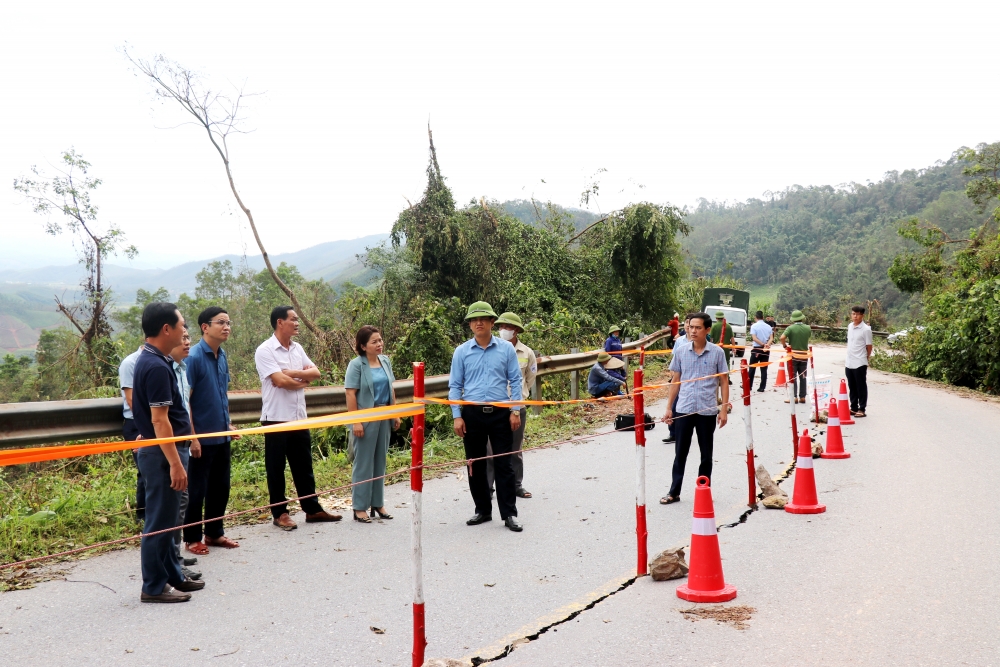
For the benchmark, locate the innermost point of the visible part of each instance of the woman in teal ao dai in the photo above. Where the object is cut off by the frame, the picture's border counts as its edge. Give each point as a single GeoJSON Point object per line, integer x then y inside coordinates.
{"type": "Point", "coordinates": [369, 384]}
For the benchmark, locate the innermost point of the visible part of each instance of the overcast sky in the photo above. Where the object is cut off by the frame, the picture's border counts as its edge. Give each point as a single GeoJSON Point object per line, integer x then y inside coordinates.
{"type": "Point", "coordinates": [676, 101]}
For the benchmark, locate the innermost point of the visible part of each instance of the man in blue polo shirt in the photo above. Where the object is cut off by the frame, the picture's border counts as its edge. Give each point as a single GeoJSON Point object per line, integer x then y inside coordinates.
{"type": "Point", "coordinates": [158, 411]}
{"type": "Point", "coordinates": [483, 369]}
{"type": "Point", "coordinates": [208, 375]}
{"type": "Point", "coordinates": [699, 369]}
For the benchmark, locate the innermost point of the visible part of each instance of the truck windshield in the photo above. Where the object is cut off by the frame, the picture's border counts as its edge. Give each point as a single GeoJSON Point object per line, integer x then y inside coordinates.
{"type": "Point", "coordinates": [735, 317]}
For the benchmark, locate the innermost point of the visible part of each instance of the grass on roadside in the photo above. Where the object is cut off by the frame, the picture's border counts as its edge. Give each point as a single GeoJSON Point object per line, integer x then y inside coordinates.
{"type": "Point", "coordinates": [55, 506]}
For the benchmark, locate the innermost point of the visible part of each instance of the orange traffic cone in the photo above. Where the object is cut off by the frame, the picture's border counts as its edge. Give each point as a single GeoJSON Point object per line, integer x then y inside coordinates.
{"type": "Point", "coordinates": [782, 380]}
{"type": "Point", "coordinates": [804, 500]}
{"type": "Point", "coordinates": [705, 581]}
{"type": "Point", "coordinates": [845, 405]}
{"type": "Point", "coordinates": [834, 438]}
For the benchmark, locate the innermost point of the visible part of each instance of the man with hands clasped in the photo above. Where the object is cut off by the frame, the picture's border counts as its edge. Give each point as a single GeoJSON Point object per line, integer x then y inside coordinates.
{"type": "Point", "coordinates": [482, 370]}
{"type": "Point", "coordinates": [699, 369]}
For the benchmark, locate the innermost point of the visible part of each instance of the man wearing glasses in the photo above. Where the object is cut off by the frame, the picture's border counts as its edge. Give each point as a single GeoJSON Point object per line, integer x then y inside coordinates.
{"type": "Point", "coordinates": [209, 471]}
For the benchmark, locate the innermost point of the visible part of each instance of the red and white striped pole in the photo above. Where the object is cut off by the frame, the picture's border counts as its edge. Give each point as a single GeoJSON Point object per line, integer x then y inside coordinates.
{"type": "Point", "coordinates": [792, 383]}
{"type": "Point", "coordinates": [751, 478]}
{"type": "Point", "coordinates": [416, 521]}
{"type": "Point", "coordinates": [812, 367]}
{"type": "Point", "coordinates": [640, 469]}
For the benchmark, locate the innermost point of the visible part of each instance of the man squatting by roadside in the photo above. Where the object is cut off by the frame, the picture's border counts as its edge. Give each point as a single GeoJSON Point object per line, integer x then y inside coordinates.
{"type": "Point", "coordinates": [485, 369]}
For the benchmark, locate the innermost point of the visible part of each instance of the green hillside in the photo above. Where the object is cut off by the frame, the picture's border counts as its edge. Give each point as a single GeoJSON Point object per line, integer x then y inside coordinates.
{"type": "Point", "coordinates": [25, 310]}
{"type": "Point", "coordinates": [829, 244]}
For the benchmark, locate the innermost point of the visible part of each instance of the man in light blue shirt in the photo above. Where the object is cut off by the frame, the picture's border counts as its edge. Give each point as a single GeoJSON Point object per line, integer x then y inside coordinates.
{"type": "Point", "coordinates": [699, 370]}
{"type": "Point", "coordinates": [762, 335]}
{"type": "Point", "coordinates": [483, 369]}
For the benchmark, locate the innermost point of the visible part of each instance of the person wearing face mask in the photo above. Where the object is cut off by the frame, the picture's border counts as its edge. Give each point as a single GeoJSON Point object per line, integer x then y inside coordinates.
{"type": "Point", "coordinates": [613, 345]}
{"type": "Point", "coordinates": [510, 327]}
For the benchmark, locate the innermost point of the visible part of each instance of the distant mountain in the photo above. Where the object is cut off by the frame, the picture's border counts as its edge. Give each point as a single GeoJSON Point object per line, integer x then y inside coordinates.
{"type": "Point", "coordinates": [26, 295]}
{"type": "Point", "coordinates": [533, 212]}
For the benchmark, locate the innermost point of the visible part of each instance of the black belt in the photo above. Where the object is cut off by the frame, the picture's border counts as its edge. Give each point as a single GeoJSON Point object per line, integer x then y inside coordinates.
{"type": "Point", "coordinates": [489, 409]}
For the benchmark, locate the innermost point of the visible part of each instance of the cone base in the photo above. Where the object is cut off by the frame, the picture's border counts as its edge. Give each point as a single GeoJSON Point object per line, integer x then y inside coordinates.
{"type": "Point", "coordinates": [835, 455]}
{"type": "Point", "coordinates": [728, 592]}
{"type": "Point", "coordinates": [805, 509]}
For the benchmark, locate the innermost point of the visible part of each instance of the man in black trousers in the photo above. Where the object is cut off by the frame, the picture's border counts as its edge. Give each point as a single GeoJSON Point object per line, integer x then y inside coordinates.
{"type": "Point", "coordinates": [484, 369]}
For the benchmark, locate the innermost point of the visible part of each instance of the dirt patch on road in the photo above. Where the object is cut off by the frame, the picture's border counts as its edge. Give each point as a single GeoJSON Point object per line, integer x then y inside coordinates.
{"type": "Point", "coordinates": [734, 616]}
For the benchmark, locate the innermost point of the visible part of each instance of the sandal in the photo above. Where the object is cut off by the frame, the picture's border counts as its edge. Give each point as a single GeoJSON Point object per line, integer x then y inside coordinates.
{"type": "Point", "coordinates": [223, 542]}
{"type": "Point", "coordinates": [859, 413]}
{"type": "Point", "coordinates": [668, 499]}
{"type": "Point", "coordinates": [197, 548]}
{"type": "Point", "coordinates": [521, 492]}
{"type": "Point", "coordinates": [380, 513]}
{"type": "Point", "coordinates": [363, 518]}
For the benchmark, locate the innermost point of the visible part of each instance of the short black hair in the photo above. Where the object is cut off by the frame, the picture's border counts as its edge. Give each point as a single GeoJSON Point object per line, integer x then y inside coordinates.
{"type": "Point", "coordinates": [858, 309]}
{"type": "Point", "coordinates": [279, 313]}
{"type": "Point", "coordinates": [759, 314]}
{"type": "Point", "coordinates": [705, 318]}
{"type": "Point", "coordinates": [156, 314]}
{"type": "Point", "coordinates": [206, 316]}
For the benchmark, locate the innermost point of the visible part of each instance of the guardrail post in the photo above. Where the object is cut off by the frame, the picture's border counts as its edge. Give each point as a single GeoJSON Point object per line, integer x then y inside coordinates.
{"type": "Point", "coordinates": [640, 473]}
{"type": "Point", "coordinates": [416, 522]}
{"type": "Point", "coordinates": [751, 478]}
{"type": "Point", "coordinates": [536, 394]}
{"type": "Point", "coordinates": [574, 378]}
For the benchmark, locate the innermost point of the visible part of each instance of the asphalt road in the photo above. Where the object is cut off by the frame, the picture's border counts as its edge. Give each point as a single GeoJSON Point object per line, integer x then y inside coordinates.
{"type": "Point", "coordinates": [902, 569]}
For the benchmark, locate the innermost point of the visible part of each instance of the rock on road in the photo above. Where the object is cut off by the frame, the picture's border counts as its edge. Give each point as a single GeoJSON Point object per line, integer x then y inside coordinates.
{"type": "Point", "coordinates": [901, 569]}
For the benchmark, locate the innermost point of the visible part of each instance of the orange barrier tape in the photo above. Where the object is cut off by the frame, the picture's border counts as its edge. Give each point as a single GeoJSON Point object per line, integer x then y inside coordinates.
{"type": "Point", "coordinates": [37, 454]}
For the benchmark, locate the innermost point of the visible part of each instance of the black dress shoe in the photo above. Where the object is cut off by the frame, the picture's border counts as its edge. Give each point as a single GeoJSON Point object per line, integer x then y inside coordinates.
{"type": "Point", "coordinates": [513, 524]}
{"type": "Point", "coordinates": [669, 439]}
{"type": "Point", "coordinates": [478, 519]}
{"type": "Point", "coordinates": [189, 585]}
{"type": "Point", "coordinates": [190, 561]}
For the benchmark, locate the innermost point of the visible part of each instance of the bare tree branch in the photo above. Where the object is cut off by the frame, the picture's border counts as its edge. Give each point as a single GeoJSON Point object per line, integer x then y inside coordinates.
{"type": "Point", "coordinates": [219, 116]}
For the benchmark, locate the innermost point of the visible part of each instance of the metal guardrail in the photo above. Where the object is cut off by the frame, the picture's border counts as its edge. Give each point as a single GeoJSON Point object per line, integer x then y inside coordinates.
{"type": "Point", "coordinates": [25, 424]}
{"type": "Point", "coordinates": [816, 327]}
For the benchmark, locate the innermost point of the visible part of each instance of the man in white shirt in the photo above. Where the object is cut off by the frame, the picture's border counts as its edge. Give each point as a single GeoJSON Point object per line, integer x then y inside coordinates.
{"type": "Point", "coordinates": [762, 335]}
{"type": "Point", "coordinates": [859, 350]}
{"type": "Point", "coordinates": [285, 371]}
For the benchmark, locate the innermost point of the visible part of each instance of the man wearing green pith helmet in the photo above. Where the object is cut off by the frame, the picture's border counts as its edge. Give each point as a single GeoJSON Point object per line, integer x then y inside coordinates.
{"type": "Point", "coordinates": [509, 327]}
{"type": "Point", "coordinates": [485, 370]}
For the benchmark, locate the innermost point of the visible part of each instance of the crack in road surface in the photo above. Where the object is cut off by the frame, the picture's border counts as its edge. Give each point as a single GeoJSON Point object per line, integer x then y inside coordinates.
{"type": "Point", "coordinates": [509, 648]}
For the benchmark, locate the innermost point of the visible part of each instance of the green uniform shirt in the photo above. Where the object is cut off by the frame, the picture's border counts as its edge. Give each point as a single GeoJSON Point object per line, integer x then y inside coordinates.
{"type": "Point", "coordinates": [716, 334]}
{"type": "Point", "coordinates": [798, 336]}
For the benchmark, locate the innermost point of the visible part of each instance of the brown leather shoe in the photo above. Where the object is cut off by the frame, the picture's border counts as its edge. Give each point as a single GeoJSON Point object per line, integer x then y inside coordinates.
{"type": "Point", "coordinates": [169, 594]}
{"type": "Point", "coordinates": [189, 585]}
{"type": "Point", "coordinates": [285, 522]}
{"type": "Point", "coordinates": [322, 516]}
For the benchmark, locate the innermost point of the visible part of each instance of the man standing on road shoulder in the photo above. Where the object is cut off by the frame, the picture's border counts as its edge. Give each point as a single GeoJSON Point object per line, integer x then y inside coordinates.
{"type": "Point", "coordinates": [796, 337]}
{"type": "Point", "coordinates": [178, 355]}
{"type": "Point", "coordinates": [483, 369]}
{"type": "Point", "coordinates": [209, 470]}
{"type": "Point", "coordinates": [682, 340]}
{"type": "Point", "coordinates": [700, 369]}
{"type": "Point", "coordinates": [859, 351]}
{"type": "Point", "coordinates": [158, 410]}
{"type": "Point", "coordinates": [510, 328]}
{"type": "Point", "coordinates": [285, 371]}
{"type": "Point", "coordinates": [762, 335]}
{"type": "Point", "coordinates": [126, 373]}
